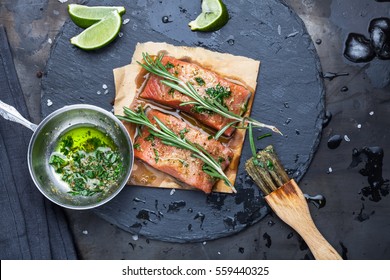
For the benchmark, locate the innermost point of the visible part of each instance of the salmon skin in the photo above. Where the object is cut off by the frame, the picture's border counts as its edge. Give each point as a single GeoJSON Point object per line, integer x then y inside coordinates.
{"type": "Point", "coordinates": [178, 162]}
{"type": "Point", "coordinates": [203, 80]}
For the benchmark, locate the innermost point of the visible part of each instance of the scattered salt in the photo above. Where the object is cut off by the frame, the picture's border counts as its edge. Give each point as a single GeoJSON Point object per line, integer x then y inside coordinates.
{"type": "Point", "coordinates": [106, 91]}
{"type": "Point", "coordinates": [359, 126]}
{"type": "Point", "coordinates": [330, 170]}
{"type": "Point", "coordinates": [49, 103]}
{"type": "Point", "coordinates": [126, 20]}
{"type": "Point", "coordinates": [62, 1]}
{"type": "Point", "coordinates": [279, 30]}
{"type": "Point", "coordinates": [85, 232]}
{"type": "Point", "coordinates": [49, 41]}
{"type": "Point", "coordinates": [371, 113]}
{"type": "Point", "coordinates": [99, 92]}
{"type": "Point", "coordinates": [104, 86]}
{"type": "Point", "coordinates": [346, 138]}
{"type": "Point", "coordinates": [135, 237]}
{"type": "Point", "coordinates": [120, 34]}
{"type": "Point", "coordinates": [219, 253]}
{"type": "Point", "coordinates": [204, 243]}
{"type": "Point", "coordinates": [172, 192]}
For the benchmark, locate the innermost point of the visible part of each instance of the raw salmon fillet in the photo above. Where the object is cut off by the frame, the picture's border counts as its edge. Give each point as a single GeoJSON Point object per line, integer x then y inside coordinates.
{"type": "Point", "coordinates": [178, 162]}
{"type": "Point", "coordinates": [202, 79]}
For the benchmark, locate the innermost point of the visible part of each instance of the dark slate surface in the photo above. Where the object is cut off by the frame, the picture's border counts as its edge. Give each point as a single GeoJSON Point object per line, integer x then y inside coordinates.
{"type": "Point", "coordinates": [289, 95]}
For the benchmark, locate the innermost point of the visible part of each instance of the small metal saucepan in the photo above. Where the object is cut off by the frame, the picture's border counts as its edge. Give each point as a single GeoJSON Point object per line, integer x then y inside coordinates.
{"type": "Point", "coordinates": [45, 139]}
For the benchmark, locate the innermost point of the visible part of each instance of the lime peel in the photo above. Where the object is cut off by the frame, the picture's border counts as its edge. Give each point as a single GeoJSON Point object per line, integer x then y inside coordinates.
{"type": "Point", "coordinates": [214, 15]}
{"type": "Point", "coordinates": [99, 34]}
{"type": "Point", "coordinates": [85, 16]}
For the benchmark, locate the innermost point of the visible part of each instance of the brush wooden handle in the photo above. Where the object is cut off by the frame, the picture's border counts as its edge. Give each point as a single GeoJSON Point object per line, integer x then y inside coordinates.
{"type": "Point", "coordinates": [290, 205]}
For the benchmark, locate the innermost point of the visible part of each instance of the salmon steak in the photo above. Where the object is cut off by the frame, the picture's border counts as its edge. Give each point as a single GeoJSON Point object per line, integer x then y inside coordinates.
{"type": "Point", "coordinates": [175, 161]}
{"type": "Point", "coordinates": [207, 83]}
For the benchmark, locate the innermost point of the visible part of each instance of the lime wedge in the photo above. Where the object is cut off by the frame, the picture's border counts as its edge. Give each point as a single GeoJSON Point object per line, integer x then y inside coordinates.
{"type": "Point", "coordinates": [214, 15]}
{"type": "Point", "coordinates": [99, 34]}
{"type": "Point", "coordinates": [85, 16]}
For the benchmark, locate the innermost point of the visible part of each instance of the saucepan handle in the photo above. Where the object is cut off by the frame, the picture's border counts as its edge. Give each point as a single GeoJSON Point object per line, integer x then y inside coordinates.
{"type": "Point", "coordinates": [10, 113]}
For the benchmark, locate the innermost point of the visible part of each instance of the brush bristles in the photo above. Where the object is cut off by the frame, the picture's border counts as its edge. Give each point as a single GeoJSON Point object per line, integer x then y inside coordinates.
{"type": "Point", "coordinates": [267, 171]}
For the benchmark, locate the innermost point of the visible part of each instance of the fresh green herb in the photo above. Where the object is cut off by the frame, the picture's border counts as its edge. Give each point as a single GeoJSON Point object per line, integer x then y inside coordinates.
{"type": "Point", "coordinates": [171, 92]}
{"type": "Point", "coordinates": [264, 136]}
{"type": "Point", "coordinates": [168, 137]}
{"type": "Point", "coordinates": [220, 160]}
{"type": "Point", "coordinates": [218, 94]}
{"type": "Point", "coordinates": [88, 167]}
{"type": "Point", "coordinates": [183, 132]}
{"type": "Point", "coordinates": [137, 146]}
{"type": "Point", "coordinates": [157, 156]}
{"type": "Point", "coordinates": [58, 162]}
{"type": "Point", "coordinates": [66, 145]}
{"type": "Point", "coordinates": [202, 103]}
{"type": "Point", "coordinates": [169, 65]}
{"type": "Point", "coordinates": [200, 81]}
{"type": "Point", "coordinates": [270, 165]}
{"type": "Point", "coordinates": [150, 138]}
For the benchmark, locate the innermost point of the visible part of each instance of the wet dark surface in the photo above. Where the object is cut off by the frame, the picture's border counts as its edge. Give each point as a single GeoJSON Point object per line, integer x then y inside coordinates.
{"type": "Point", "coordinates": [353, 214]}
{"type": "Point", "coordinates": [271, 40]}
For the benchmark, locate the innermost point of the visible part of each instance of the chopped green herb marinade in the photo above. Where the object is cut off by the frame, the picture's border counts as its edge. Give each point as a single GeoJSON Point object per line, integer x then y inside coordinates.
{"type": "Point", "coordinates": [200, 81]}
{"type": "Point", "coordinates": [216, 95]}
{"type": "Point", "coordinates": [169, 65]}
{"type": "Point", "coordinates": [87, 161]}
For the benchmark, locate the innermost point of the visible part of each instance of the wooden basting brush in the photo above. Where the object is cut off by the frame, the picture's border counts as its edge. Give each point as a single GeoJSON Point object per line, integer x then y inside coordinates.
{"type": "Point", "coordinates": [286, 199]}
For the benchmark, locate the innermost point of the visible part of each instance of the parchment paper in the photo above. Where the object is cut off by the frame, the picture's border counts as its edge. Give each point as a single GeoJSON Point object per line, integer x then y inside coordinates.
{"type": "Point", "coordinates": [239, 68]}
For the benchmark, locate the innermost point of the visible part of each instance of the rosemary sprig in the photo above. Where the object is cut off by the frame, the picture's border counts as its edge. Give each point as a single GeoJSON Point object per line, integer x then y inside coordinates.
{"type": "Point", "coordinates": [168, 137]}
{"type": "Point", "coordinates": [208, 104]}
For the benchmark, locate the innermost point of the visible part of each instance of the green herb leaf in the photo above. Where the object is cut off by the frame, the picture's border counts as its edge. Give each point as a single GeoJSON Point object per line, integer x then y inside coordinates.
{"type": "Point", "coordinates": [200, 81]}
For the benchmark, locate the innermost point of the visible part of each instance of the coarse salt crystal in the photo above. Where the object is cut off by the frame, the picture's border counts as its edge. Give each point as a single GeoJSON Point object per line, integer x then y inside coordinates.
{"type": "Point", "coordinates": [99, 92]}
{"type": "Point", "coordinates": [371, 113]}
{"type": "Point", "coordinates": [359, 126]}
{"type": "Point", "coordinates": [330, 170]}
{"type": "Point", "coordinates": [120, 34]}
{"type": "Point", "coordinates": [219, 253]}
{"type": "Point", "coordinates": [49, 103]}
{"type": "Point", "coordinates": [49, 41]}
{"type": "Point", "coordinates": [346, 138]}
{"type": "Point", "coordinates": [279, 30]}
{"type": "Point", "coordinates": [204, 243]}
{"type": "Point", "coordinates": [135, 237]}
{"type": "Point", "coordinates": [172, 192]}
{"type": "Point", "coordinates": [106, 91]}
{"type": "Point", "coordinates": [104, 86]}
{"type": "Point", "coordinates": [126, 20]}
{"type": "Point", "coordinates": [62, 1]}
{"type": "Point", "coordinates": [85, 232]}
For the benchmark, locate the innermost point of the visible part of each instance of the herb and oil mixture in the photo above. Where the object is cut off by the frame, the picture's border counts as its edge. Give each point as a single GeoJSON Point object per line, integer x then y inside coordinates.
{"type": "Point", "coordinates": [87, 160]}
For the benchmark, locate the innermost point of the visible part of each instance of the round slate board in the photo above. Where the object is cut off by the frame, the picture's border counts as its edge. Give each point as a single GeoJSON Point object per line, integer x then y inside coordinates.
{"type": "Point", "coordinates": [290, 95]}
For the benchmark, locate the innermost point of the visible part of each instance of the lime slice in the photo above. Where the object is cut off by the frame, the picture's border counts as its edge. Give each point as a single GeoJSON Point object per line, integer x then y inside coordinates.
{"type": "Point", "coordinates": [214, 15]}
{"type": "Point", "coordinates": [85, 16]}
{"type": "Point", "coordinates": [99, 34]}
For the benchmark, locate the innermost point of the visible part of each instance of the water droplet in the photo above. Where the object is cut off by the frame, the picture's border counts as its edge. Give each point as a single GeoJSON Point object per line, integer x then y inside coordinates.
{"type": "Point", "coordinates": [344, 89]}
{"type": "Point", "coordinates": [318, 41]}
{"type": "Point", "coordinates": [271, 223]}
{"type": "Point", "coordinates": [268, 239]}
{"type": "Point", "coordinates": [334, 141]}
{"type": "Point", "coordinates": [176, 206]}
{"type": "Point", "coordinates": [230, 40]}
{"type": "Point", "coordinates": [290, 235]}
{"type": "Point", "coordinates": [241, 250]}
{"type": "Point", "coordinates": [318, 200]}
{"type": "Point", "coordinates": [330, 75]}
{"type": "Point", "coordinates": [327, 119]}
{"type": "Point", "coordinates": [165, 19]}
